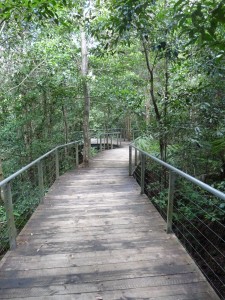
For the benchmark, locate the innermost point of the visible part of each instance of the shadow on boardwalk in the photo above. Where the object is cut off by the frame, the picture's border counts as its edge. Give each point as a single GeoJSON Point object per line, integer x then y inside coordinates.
{"type": "Point", "coordinates": [95, 237]}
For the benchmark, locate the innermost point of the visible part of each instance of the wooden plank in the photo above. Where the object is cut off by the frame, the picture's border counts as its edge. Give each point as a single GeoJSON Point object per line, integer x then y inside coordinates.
{"type": "Point", "coordinates": [93, 273]}
{"type": "Point", "coordinates": [83, 246]}
{"type": "Point", "coordinates": [71, 231]}
{"type": "Point", "coordinates": [100, 211]}
{"type": "Point", "coordinates": [152, 252]}
{"type": "Point", "coordinates": [143, 262]}
{"type": "Point", "coordinates": [194, 291]}
{"type": "Point", "coordinates": [36, 237]}
{"type": "Point", "coordinates": [102, 286]}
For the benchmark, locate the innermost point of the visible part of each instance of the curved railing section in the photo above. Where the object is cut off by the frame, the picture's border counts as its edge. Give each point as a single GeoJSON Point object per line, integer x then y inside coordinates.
{"type": "Point", "coordinates": [108, 139]}
{"type": "Point", "coordinates": [193, 210]}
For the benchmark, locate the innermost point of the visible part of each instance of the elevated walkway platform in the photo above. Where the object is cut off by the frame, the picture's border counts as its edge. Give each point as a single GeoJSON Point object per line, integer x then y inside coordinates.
{"type": "Point", "coordinates": [96, 238]}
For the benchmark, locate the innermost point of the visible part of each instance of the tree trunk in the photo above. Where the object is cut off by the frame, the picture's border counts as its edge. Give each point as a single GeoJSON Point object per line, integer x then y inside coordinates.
{"type": "Point", "coordinates": [27, 137]}
{"type": "Point", "coordinates": [1, 178]}
{"type": "Point", "coordinates": [151, 80]}
{"type": "Point", "coordinates": [66, 131]}
{"type": "Point", "coordinates": [45, 125]}
{"type": "Point", "coordinates": [84, 70]}
{"type": "Point", "coordinates": [154, 102]}
{"type": "Point", "coordinates": [128, 127]}
{"type": "Point", "coordinates": [166, 86]}
{"type": "Point", "coordinates": [1, 173]}
{"type": "Point", "coordinates": [166, 99]}
{"type": "Point", "coordinates": [147, 112]}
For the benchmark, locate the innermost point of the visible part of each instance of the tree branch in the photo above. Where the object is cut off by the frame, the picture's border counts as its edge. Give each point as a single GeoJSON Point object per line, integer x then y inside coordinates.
{"type": "Point", "coordinates": [146, 57]}
{"type": "Point", "coordinates": [150, 70]}
{"type": "Point", "coordinates": [2, 28]}
{"type": "Point", "coordinates": [31, 72]}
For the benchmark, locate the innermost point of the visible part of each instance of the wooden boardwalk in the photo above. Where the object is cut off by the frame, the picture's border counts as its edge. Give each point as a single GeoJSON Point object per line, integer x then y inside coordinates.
{"type": "Point", "coordinates": [96, 238]}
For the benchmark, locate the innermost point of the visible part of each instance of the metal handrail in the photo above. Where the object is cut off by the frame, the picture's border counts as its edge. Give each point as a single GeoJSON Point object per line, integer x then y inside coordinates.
{"type": "Point", "coordinates": [5, 185]}
{"type": "Point", "coordinates": [196, 226]}
{"type": "Point", "coordinates": [98, 131]}
{"type": "Point", "coordinates": [203, 185]}
{"type": "Point", "coordinates": [14, 175]}
{"type": "Point", "coordinates": [110, 134]}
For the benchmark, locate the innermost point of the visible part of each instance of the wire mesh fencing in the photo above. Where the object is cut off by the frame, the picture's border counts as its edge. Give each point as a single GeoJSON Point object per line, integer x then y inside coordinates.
{"type": "Point", "coordinates": [4, 240]}
{"type": "Point", "coordinates": [23, 191]}
{"type": "Point", "coordinates": [25, 195]}
{"type": "Point", "coordinates": [199, 222]}
{"type": "Point", "coordinates": [194, 211]}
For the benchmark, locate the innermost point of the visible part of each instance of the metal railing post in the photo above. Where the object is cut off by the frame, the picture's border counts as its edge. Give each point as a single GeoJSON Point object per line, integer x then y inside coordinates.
{"type": "Point", "coordinates": [107, 141]}
{"type": "Point", "coordinates": [135, 157]}
{"type": "Point", "coordinates": [130, 160]}
{"type": "Point", "coordinates": [57, 163]}
{"type": "Point", "coordinates": [41, 179]}
{"type": "Point", "coordinates": [120, 139]}
{"type": "Point", "coordinates": [143, 163]}
{"type": "Point", "coordinates": [111, 141]}
{"type": "Point", "coordinates": [172, 179]}
{"type": "Point", "coordinates": [7, 194]}
{"type": "Point", "coordinates": [77, 155]}
{"type": "Point", "coordinates": [100, 143]}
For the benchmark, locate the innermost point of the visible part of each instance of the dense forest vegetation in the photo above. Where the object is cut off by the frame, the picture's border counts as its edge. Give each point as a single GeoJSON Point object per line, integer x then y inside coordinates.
{"type": "Point", "coordinates": [157, 65]}
{"type": "Point", "coordinates": [153, 66]}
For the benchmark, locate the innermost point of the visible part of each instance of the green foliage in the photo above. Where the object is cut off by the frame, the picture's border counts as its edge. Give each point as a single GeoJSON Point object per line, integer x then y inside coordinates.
{"type": "Point", "coordinates": [94, 152]}
{"type": "Point", "coordinates": [38, 109]}
{"type": "Point", "coordinates": [118, 86]}
{"type": "Point", "coordinates": [203, 22]}
{"type": "Point", "coordinates": [161, 199]}
{"type": "Point", "coordinates": [148, 144]}
{"type": "Point", "coordinates": [218, 146]}
{"type": "Point", "coordinates": [2, 214]}
{"type": "Point", "coordinates": [29, 10]}
{"type": "Point", "coordinates": [27, 199]}
{"type": "Point", "coordinates": [190, 203]}
{"type": "Point", "coordinates": [220, 186]}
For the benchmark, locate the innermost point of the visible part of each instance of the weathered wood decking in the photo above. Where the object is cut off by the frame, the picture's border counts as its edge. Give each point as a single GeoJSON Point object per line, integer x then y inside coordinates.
{"type": "Point", "coordinates": [95, 237]}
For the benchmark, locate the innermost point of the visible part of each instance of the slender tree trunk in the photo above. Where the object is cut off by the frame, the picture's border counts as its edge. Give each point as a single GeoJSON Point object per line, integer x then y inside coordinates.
{"type": "Point", "coordinates": [84, 70]}
{"type": "Point", "coordinates": [64, 113]}
{"type": "Point", "coordinates": [154, 102]}
{"type": "Point", "coordinates": [166, 104]}
{"type": "Point", "coordinates": [65, 127]}
{"type": "Point", "coordinates": [147, 113]}
{"type": "Point", "coordinates": [28, 136]}
{"type": "Point", "coordinates": [166, 87]}
{"type": "Point", "coordinates": [45, 126]}
{"type": "Point", "coordinates": [1, 178]}
{"type": "Point", "coordinates": [107, 128]}
{"type": "Point", "coordinates": [128, 127]}
{"type": "Point", "coordinates": [151, 79]}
